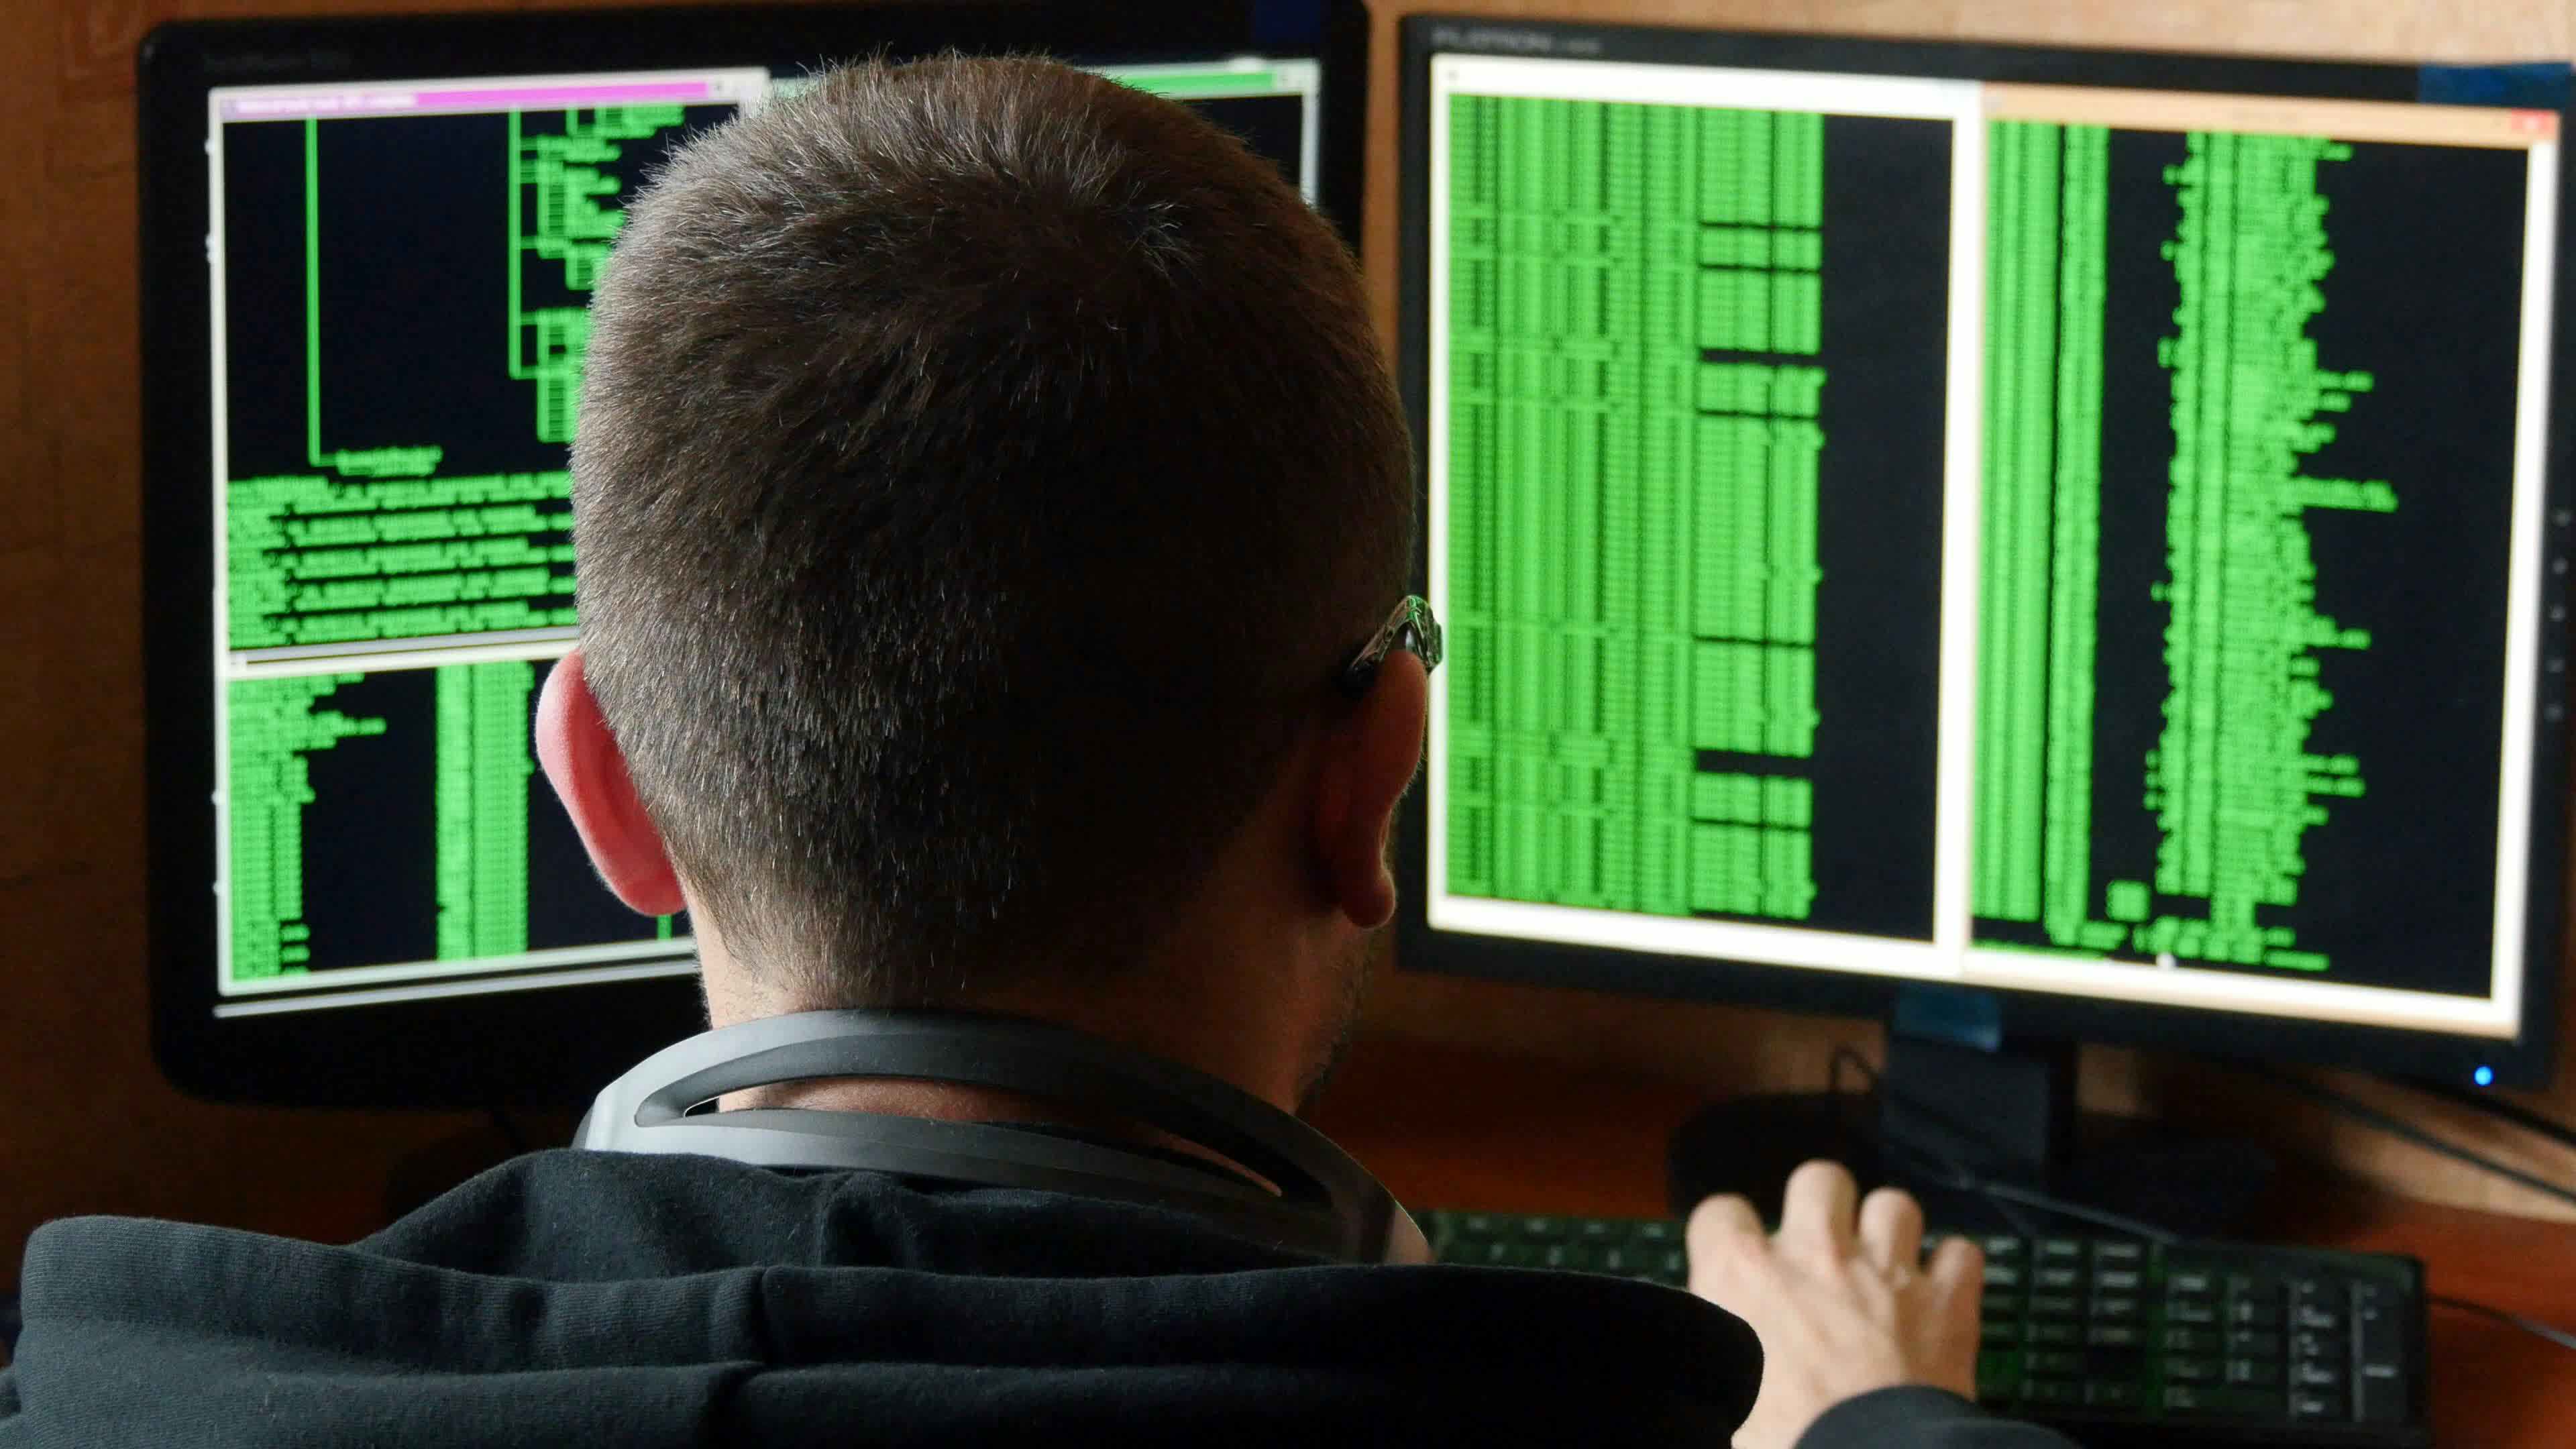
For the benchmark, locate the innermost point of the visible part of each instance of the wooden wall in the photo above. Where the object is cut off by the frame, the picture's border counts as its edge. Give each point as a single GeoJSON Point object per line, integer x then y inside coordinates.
{"type": "Point", "coordinates": [92, 1128]}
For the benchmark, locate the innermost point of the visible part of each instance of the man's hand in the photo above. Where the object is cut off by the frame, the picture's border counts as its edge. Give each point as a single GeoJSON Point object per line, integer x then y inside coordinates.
{"type": "Point", "coordinates": [1841, 1306]}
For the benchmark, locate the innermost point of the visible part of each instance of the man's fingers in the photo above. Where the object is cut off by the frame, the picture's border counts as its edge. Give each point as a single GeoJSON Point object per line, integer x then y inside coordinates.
{"type": "Point", "coordinates": [1720, 1222]}
{"type": "Point", "coordinates": [1891, 1229]}
{"type": "Point", "coordinates": [1958, 1274]}
{"type": "Point", "coordinates": [1725, 1237]}
{"type": "Point", "coordinates": [1816, 1209]}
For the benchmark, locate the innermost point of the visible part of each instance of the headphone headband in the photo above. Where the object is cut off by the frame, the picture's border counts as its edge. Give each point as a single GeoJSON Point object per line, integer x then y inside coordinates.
{"type": "Point", "coordinates": [1326, 1204]}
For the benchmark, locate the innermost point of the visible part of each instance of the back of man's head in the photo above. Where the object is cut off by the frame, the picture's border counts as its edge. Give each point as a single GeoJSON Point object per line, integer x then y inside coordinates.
{"type": "Point", "coordinates": [982, 469]}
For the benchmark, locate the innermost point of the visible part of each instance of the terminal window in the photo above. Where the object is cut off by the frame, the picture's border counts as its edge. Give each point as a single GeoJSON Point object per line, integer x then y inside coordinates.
{"type": "Point", "coordinates": [2029, 534]}
{"type": "Point", "coordinates": [1694, 356]}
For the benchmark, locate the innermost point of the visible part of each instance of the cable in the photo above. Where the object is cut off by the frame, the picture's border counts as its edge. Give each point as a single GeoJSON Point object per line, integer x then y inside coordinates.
{"type": "Point", "coordinates": [2532, 1326]}
{"type": "Point", "coordinates": [2004, 1194]}
{"type": "Point", "coordinates": [2513, 1112]}
{"type": "Point", "coordinates": [2099, 1217]}
{"type": "Point", "coordinates": [2370, 1116]}
{"type": "Point", "coordinates": [1952, 1173]}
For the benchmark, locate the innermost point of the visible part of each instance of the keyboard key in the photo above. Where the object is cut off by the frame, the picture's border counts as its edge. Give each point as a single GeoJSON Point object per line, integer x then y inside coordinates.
{"type": "Point", "coordinates": [2110, 1394]}
{"type": "Point", "coordinates": [2054, 1305]}
{"type": "Point", "coordinates": [2255, 1312]}
{"type": "Point", "coordinates": [2001, 1332]}
{"type": "Point", "coordinates": [2251, 1287]}
{"type": "Point", "coordinates": [1998, 1374]}
{"type": "Point", "coordinates": [2191, 1311]}
{"type": "Point", "coordinates": [2061, 1250]}
{"type": "Point", "coordinates": [2317, 1306]}
{"type": "Point", "coordinates": [1477, 1225]}
{"type": "Point", "coordinates": [2054, 1335]}
{"type": "Point", "coordinates": [2193, 1401]}
{"type": "Point", "coordinates": [2308, 1405]}
{"type": "Point", "coordinates": [2057, 1280]}
{"type": "Point", "coordinates": [2001, 1248]}
{"type": "Point", "coordinates": [1542, 1228]}
{"type": "Point", "coordinates": [2255, 1342]}
{"type": "Point", "coordinates": [2115, 1335]}
{"type": "Point", "coordinates": [2329, 1347]}
{"type": "Point", "coordinates": [2117, 1280]}
{"type": "Point", "coordinates": [2379, 1394]}
{"type": "Point", "coordinates": [2060, 1363]}
{"type": "Point", "coordinates": [1658, 1231]}
{"type": "Point", "coordinates": [2181, 1370]}
{"type": "Point", "coordinates": [2116, 1310]}
{"type": "Point", "coordinates": [1601, 1230]}
{"type": "Point", "coordinates": [2375, 1335]}
{"type": "Point", "coordinates": [2002, 1275]}
{"type": "Point", "coordinates": [2325, 1378]}
{"type": "Point", "coordinates": [2119, 1253]}
{"type": "Point", "coordinates": [2190, 1282]}
{"type": "Point", "coordinates": [2051, 1391]}
{"type": "Point", "coordinates": [2257, 1372]}
{"type": "Point", "coordinates": [2190, 1340]}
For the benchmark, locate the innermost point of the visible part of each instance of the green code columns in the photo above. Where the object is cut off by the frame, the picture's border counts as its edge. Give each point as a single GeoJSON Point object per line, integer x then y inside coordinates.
{"type": "Point", "coordinates": [2232, 781]}
{"type": "Point", "coordinates": [482, 783]}
{"type": "Point", "coordinates": [1632, 449]}
{"type": "Point", "coordinates": [1530, 370]}
{"type": "Point", "coordinates": [2047, 201]}
{"type": "Point", "coordinates": [271, 726]}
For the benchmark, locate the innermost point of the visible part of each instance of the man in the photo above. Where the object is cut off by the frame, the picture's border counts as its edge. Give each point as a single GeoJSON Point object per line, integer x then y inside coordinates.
{"type": "Point", "coordinates": [984, 476]}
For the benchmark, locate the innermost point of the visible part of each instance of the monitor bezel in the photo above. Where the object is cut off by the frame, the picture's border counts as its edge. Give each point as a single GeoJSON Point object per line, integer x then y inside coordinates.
{"type": "Point", "coordinates": [532, 1047]}
{"type": "Point", "coordinates": [2523, 1060]}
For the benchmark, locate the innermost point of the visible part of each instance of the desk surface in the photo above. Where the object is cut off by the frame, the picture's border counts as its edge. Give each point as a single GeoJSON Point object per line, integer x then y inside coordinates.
{"type": "Point", "coordinates": [1444, 1128]}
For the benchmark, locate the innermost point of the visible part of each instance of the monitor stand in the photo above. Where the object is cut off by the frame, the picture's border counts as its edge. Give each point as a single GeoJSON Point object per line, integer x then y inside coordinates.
{"type": "Point", "coordinates": [1946, 1113]}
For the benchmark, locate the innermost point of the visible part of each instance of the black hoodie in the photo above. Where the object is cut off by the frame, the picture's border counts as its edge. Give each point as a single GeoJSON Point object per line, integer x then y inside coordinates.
{"type": "Point", "coordinates": [581, 1298]}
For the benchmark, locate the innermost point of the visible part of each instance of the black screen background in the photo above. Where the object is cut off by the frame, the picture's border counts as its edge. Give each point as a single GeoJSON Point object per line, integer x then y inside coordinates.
{"type": "Point", "coordinates": [1885, 351]}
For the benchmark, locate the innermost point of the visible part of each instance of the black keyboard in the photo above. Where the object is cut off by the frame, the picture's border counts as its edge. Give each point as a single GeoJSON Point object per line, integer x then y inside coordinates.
{"type": "Point", "coordinates": [2112, 1340]}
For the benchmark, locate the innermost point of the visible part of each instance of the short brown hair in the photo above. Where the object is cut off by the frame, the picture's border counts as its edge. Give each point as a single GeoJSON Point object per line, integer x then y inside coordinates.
{"type": "Point", "coordinates": [982, 468]}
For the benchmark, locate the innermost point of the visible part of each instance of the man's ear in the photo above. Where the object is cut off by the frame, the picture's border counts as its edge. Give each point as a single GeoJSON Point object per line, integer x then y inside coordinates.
{"type": "Point", "coordinates": [1370, 758]}
{"type": "Point", "coordinates": [588, 771]}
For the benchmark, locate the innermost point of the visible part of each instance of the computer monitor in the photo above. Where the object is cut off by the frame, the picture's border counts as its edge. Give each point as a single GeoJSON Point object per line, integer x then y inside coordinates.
{"type": "Point", "coordinates": [368, 250]}
{"type": "Point", "coordinates": [2059, 545]}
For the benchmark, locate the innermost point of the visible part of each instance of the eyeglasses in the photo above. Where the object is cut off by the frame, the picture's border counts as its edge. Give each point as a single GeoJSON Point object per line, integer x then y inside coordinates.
{"type": "Point", "coordinates": [1412, 628]}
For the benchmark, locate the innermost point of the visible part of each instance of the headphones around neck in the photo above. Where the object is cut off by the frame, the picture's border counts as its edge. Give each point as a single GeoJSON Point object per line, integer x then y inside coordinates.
{"type": "Point", "coordinates": [1327, 1204]}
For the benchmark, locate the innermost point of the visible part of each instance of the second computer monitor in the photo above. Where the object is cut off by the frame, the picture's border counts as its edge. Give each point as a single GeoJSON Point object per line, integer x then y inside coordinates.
{"type": "Point", "coordinates": [370, 251]}
{"type": "Point", "coordinates": [2076, 526]}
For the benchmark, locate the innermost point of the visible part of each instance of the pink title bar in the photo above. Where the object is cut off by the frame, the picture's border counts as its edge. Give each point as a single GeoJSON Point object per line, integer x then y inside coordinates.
{"type": "Point", "coordinates": [395, 101]}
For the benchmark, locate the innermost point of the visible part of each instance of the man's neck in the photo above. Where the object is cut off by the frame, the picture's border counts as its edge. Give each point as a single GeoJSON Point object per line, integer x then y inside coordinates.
{"type": "Point", "coordinates": [1179, 1016]}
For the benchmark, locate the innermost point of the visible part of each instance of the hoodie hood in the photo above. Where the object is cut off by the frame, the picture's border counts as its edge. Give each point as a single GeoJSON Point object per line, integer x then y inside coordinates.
{"type": "Point", "coordinates": [596, 1298]}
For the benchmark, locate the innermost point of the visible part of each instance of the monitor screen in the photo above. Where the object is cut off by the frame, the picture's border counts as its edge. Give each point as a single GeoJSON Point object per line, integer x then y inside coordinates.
{"type": "Point", "coordinates": [402, 271]}
{"type": "Point", "coordinates": [394, 276]}
{"type": "Point", "coordinates": [2053, 534]}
